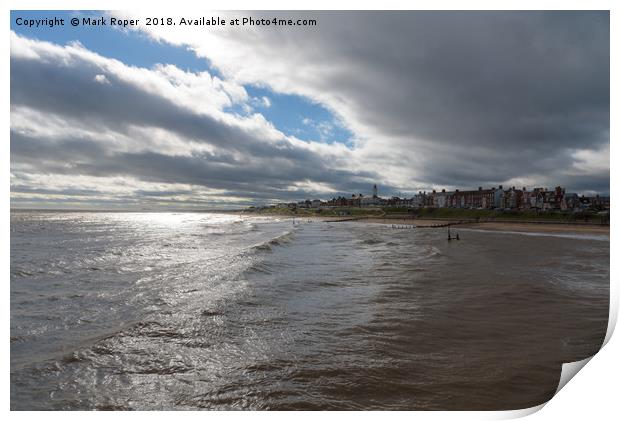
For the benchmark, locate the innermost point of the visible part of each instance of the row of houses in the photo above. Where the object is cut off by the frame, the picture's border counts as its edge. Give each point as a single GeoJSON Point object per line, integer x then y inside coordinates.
{"type": "Point", "coordinates": [512, 198]}
{"type": "Point", "coordinates": [494, 198]}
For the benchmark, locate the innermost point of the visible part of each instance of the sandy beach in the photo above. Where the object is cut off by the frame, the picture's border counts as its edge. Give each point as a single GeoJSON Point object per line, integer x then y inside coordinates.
{"type": "Point", "coordinates": [491, 226]}
{"type": "Point", "coordinates": [545, 227]}
{"type": "Point", "coordinates": [551, 228]}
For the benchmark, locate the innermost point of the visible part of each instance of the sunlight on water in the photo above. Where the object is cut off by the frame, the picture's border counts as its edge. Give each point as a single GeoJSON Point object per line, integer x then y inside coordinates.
{"type": "Point", "coordinates": [220, 311]}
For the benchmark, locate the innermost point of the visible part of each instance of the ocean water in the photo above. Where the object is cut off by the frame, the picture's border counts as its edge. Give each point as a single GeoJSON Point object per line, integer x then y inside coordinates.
{"type": "Point", "coordinates": [216, 311]}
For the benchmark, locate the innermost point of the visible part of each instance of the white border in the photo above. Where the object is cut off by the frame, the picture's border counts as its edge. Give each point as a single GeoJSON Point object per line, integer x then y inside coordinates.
{"type": "Point", "coordinates": [591, 395]}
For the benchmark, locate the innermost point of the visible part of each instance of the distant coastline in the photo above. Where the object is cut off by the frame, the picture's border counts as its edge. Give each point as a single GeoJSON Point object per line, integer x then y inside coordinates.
{"type": "Point", "coordinates": [520, 226]}
{"type": "Point", "coordinates": [429, 218]}
{"type": "Point", "coordinates": [543, 223]}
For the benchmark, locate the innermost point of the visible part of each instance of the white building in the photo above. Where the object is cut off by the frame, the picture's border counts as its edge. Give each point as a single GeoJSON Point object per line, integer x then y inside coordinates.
{"type": "Point", "coordinates": [370, 201]}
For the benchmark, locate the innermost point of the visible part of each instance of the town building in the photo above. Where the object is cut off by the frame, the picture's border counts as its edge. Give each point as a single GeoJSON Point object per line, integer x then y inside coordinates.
{"type": "Point", "coordinates": [538, 199]}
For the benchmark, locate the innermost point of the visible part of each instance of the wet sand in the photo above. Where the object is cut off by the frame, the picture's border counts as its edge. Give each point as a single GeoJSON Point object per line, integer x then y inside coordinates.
{"type": "Point", "coordinates": [495, 225]}
{"type": "Point", "coordinates": [545, 227]}
{"type": "Point", "coordinates": [554, 228]}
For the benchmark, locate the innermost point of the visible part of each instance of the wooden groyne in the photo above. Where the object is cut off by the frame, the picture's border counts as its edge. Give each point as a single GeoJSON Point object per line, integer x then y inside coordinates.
{"type": "Point", "coordinates": [402, 223]}
{"type": "Point", "coordinates": [347, 219]}
{"type": "Point", "coordinates": [447, 224]}
{"type": "Point", "coordinates": [403, 227]}
{"type": "Point", "coordinates": [410, 225]}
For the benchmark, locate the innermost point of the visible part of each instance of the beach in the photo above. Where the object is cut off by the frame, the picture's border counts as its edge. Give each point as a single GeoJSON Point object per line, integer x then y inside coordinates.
{"type": "Point", "coordinates": [497, 225]}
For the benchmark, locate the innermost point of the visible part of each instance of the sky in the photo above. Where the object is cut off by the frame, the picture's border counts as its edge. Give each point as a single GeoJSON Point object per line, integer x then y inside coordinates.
{"type": "Point", "coordinates": [177, 117]}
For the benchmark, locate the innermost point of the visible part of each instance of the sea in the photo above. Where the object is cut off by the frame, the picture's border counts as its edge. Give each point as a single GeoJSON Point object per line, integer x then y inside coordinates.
{"type": "Point", "coordinates": [187, 311]}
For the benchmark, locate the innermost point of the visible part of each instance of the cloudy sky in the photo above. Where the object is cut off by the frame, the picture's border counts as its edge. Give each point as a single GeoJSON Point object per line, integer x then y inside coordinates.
{"type": "Point", "coordinates": [206, 117]}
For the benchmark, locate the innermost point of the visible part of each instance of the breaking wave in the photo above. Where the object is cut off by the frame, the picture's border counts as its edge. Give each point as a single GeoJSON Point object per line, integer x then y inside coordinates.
{"type": "Point", "coordinates": [280, 240]}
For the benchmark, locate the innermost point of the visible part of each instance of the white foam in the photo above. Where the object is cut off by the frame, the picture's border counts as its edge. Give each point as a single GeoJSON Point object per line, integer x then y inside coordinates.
{"type": "Point", "coordinates": [592, 237]}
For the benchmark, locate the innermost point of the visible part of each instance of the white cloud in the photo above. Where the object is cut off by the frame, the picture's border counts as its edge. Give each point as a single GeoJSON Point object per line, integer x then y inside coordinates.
{"type": "Point", "coordinates": [591, 161]}
{"type": "Point", "coordinates": [54, 144]}
{"type": "Point", "coordinates": [101, 79]}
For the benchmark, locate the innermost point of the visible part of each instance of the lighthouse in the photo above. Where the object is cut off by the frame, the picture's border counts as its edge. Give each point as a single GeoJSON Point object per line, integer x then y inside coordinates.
{"type": "Point", "coordinates": [374, 191]}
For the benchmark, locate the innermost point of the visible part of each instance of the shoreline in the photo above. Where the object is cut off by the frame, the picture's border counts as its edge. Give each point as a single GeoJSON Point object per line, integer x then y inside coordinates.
{"type": "Point", "coordinates": [498, 225]}
{"type": "Point", "coordinates": [519, 226]}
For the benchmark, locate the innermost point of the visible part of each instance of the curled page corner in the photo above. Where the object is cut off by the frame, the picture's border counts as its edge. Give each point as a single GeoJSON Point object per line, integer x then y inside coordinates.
{"type": "Point", "coordinates": [520, 413]}
{"type": "Point", "coordinates": [569, 370]}
{"type": "Point", "coordinates": [613, 317]}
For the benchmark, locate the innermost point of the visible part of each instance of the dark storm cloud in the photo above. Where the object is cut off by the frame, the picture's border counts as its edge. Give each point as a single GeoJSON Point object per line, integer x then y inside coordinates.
{"type": "Point", "coordinates": [593, 184]}
{"type": "Point", "coordinates": [255, 178]}
{"type": "Point", "coordinates": [499, 79]}
{"type": "Point", "coordinates": [531, 85]}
